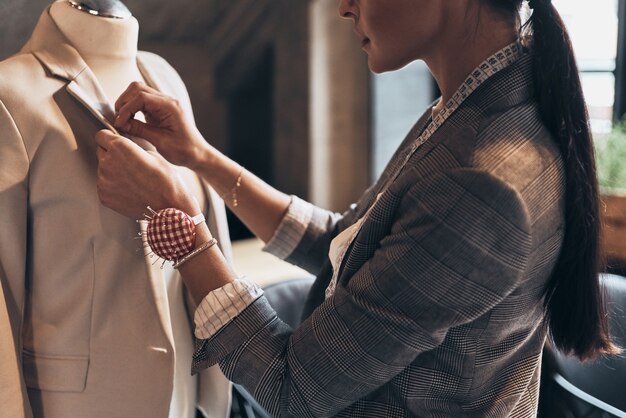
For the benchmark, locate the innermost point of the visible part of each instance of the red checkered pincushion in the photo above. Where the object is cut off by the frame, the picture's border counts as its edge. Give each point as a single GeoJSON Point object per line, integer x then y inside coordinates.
{"type": "Point", "coordinates": [171, 234]}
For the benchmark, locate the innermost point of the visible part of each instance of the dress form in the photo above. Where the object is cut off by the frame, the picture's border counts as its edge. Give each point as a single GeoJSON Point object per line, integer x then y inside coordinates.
{"type": "Point", "coordinates": [108, 45]}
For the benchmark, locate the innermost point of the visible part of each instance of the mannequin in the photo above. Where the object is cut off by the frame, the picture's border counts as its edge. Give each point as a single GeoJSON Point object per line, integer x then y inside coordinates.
{"type": "Point", "coordinates": [108, 45]}
{"type": "Point", "coordinates": [98, 330]}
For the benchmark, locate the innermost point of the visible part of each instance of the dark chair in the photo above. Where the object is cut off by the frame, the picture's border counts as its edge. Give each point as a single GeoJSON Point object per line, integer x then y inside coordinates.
{"type": "Point", "coordinates": [596, 389]}
{"type": "Point", "coordinates": [287, 298]}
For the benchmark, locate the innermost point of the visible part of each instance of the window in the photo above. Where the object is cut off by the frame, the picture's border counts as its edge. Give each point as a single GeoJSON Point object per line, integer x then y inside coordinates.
{"type": "Point", "coordinates": [593, 28]}
{"type": "Point", "coordinates": [399, 97]}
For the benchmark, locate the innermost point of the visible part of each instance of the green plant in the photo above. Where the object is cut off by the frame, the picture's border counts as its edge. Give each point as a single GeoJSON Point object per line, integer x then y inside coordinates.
{"type": "Point", "coordinates": [611, 159]}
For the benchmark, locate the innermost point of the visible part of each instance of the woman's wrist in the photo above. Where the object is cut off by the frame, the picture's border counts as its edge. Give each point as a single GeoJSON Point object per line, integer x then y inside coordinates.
{"type": "Point", "coordinates": [217, 169]}
{"type": "Point", "coordinates": [181, 199]}
{"type": "Point", "coordinates": [205, 158]}
{"type": "Point", "coordinates": [200, 155]}
{"type": "Point", "coordinates": [208, 270]}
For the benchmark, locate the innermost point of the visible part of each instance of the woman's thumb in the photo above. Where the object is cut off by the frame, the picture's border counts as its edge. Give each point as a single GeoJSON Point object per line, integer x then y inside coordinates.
{"type": "Point", "coordinates": [143, 130]}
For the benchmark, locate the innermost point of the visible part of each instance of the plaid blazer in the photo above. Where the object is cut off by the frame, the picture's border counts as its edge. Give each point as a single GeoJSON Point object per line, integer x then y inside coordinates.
{"type": "Point", "coordinates": [438, 310]}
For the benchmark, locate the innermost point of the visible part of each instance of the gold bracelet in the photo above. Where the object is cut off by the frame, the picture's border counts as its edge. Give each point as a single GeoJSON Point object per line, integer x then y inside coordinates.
{"type": "Point", "coordinates": [195, 252]}
{"type": "Point", "coordinates": [233, 191]}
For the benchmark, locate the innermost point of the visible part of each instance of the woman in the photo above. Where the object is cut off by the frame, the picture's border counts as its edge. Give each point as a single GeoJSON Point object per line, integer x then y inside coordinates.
{"type": "Point", "coordinates": [434, 294]}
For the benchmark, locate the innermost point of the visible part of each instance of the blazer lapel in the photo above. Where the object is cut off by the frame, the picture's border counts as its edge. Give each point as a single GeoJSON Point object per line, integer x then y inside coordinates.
{"type": "Point", "coordinates": [85, 89]}
{"type": "Point", "coordinates": [61, 60]}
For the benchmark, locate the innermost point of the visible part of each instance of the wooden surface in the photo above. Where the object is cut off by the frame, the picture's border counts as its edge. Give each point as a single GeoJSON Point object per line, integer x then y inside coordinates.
{"type": "Point", "coordinates": [614, 235]}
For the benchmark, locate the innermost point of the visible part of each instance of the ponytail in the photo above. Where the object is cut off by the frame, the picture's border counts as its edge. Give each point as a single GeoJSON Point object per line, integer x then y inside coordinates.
{"type": "Point", "coordinates": [574, 300]}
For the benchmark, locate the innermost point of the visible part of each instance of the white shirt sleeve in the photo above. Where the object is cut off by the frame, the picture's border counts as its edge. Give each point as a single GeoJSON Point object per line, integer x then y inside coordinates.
{"type": "Point", "coordinates": [222, 305]}
{"type": "Point", "coordinates": [291, 228]}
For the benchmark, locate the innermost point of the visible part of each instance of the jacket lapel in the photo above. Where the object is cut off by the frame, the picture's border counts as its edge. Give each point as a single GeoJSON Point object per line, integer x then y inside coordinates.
{"type": "Point", "coordinates": [61, 60]}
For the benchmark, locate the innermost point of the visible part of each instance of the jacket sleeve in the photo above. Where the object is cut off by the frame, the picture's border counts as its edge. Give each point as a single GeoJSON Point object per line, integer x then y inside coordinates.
{"type": "Point", "coordinates": [14, 167]}
{"type": "Point", "coordinates": [304, 234]}
{"type": "Point", "coordinates": [458, 246]}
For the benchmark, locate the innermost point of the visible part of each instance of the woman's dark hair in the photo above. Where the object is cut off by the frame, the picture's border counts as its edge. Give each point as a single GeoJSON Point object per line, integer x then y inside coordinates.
{"type": "Point", "coordinates": [574, 300]}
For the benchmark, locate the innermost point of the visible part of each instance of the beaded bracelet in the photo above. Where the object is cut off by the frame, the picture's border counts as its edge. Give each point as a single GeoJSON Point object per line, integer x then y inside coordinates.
{"type": "Point", "coordinates": [233, 192]}
{"type": "Point", "coordinates": [195, 252]}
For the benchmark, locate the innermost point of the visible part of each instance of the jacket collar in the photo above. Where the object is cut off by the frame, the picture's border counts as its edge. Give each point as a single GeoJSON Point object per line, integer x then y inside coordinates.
{"type": "Point", "coordinates": [62, 60]}
{"type": "Point", "coordinates": [508, 88]}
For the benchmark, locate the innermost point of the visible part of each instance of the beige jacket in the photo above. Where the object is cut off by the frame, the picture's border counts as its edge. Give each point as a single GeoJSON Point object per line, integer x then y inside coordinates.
{"type": "Point", "coordinates": [85, 328]}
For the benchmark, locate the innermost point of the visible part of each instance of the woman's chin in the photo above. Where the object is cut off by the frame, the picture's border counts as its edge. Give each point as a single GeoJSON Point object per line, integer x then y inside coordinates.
{"type": "Point", "coordinates": [375, 66]}
{"type": "Point", "coordinates": [382, 64]}
{"type": "Point", "coordinates": [378, 67]}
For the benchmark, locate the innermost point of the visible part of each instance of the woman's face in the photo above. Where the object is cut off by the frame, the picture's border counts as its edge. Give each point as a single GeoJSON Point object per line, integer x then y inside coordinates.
{"type": "Point", "coordinates": [394, 33]}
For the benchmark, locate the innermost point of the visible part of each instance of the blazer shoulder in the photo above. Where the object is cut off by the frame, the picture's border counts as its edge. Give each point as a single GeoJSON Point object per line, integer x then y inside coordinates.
{"type": "Point", "coordinates": [17, 60]}
{"type": "Point", "coordinates": [19, 71]}
{"type": "Point", "coordinates": [24, 86]}
{"type": "Point", "coordinates": [516, 135]}
{"type": "Point", "coordinates": [516, 147]}
{"type": "Point", "coordinates": [451, 188]}
{"type": "Point", "coordinates": [469, 205]}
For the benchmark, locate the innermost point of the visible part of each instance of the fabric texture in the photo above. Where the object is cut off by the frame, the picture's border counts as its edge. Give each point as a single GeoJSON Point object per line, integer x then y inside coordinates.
{"type": "Point", "coordinates": [223, 305]}
{"type": "Point", "coordinates": [438, 307]}
{"type": "Point", "coordinates": [292, 228]}
{"type": "Point", "coordinates": [92, 322]}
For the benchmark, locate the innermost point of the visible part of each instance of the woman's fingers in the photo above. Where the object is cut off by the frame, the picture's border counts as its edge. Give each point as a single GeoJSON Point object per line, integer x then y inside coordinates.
{"type": "Point", "coordinates": [146, 131]}
{"type": "Point", "coordinates": [157, 108]}
{"type": "Point", "coordinates": [130, 178]}
{"type": "Point", "coordinates": [139, 97]}
{"type": "Point", "coordinates": [133, 89]}
{"type": "Point", "coordinates": [166, 125]}
{"type": "Point", "coordinates": [127, 175]}
{"type": "Point", "coordinates": [104, 139]}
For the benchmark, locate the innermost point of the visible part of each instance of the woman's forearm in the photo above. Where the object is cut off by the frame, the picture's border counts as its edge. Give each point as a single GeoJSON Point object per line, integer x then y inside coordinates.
{"type": "Point", "coordinates": [260, 206]}
{"type": "Point", "coordinates": [208, 270]}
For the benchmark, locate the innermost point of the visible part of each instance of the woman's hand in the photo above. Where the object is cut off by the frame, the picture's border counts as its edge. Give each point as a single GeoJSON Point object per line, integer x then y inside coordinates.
{"type": "Point", "coordinates": [167, 126]}
{"type": "Point", "coordinates": [130, 179]}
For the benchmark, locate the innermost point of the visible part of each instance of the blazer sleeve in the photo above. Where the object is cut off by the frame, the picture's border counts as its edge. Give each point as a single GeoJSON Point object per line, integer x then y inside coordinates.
{"type": "Point", "coordinates": [458, 246]}
{"type": "Point", "coordinates": [14, 169]}
{"type": "Point", "coordinates": [304, 234]}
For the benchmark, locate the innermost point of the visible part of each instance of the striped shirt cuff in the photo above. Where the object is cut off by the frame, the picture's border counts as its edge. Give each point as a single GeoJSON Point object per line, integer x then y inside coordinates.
{"type": "Point", "coordinates": [222, 305]}
{"type": "Point", "coordinates": [291, 229]}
